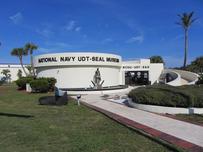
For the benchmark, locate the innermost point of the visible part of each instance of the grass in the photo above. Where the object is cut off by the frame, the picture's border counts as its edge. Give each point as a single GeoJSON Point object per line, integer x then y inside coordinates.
{"type": "Point", "coordinates": [26, 126]}
{"type": "Point", "coordinates": [195, 118]}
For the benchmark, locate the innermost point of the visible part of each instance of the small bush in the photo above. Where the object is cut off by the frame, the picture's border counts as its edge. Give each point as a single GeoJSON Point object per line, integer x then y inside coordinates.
{"type": "Point", "coordinates": [51, 82]}
{"type": "Point", "coordinates": [39, 85]}
{"type": "Point", "coordinates": [21, 83]}
{"type": "Point", "coordinates": [1, 82]}
{"type": "Point", "coordinates": [200, 81]}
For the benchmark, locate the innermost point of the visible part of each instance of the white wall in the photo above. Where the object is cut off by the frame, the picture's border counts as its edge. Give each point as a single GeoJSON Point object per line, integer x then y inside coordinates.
{"type": "Point", "coordinates": [80, 76]}
{"type": "Point", "coordinates": [177, 78]}
{"type": "Point", "coordinates": [74, 73]}
{"type": "Point", "coordinates": [155, 71]}
{"type": "Point", "coordinates": [13, 70]}
{"type": "Point", "coordinates": [163, 109]}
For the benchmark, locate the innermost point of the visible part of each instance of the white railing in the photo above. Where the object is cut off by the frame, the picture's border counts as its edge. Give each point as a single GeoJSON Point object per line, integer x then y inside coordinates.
{"type": "Point", "coordinates": [176, 81]}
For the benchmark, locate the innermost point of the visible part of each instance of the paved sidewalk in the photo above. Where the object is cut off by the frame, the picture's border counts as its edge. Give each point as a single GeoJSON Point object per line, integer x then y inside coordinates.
{"type": "Point", "coordinates": [193, 134]}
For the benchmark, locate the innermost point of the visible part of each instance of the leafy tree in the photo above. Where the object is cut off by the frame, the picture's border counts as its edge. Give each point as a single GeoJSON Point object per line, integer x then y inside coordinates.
{"type": "Point", "coordinates": [19, 74]}
{"type": "Point", "coordinates": [6, 73]}
{"type": "Point", "coordinates": [196, 65]}
{"type": "Point", "coordinates": [20, 52]}
{"type": "Point", "coordinates": [156, 59]}
{"type": "Point", "coordinates": [186, 20]}
{"type": "Point", "coordinates": [29, 48]}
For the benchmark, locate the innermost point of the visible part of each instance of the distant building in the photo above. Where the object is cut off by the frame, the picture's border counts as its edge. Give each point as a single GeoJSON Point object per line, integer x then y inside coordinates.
{"type": "Point", "coordinates": [13, 70]}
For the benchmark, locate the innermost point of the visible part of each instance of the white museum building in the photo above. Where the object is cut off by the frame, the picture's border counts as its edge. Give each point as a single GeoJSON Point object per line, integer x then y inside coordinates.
{"type": "Point", "coordinates": [87, 70]}
{"type": "Point", "coordinates": [77, 70]}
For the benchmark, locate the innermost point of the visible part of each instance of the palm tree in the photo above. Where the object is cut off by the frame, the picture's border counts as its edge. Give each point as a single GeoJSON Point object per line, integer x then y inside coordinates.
{"type": "Point", "coordinates": [6, 73]}
{"type": "Point", "coordinates": [29, 68]}
{"type": "Point", "coordinates": [30, 47]}
{"type": "Point", "coordinates": [186, 20]}
{"type": "Point", "coordinates": [20, 52]}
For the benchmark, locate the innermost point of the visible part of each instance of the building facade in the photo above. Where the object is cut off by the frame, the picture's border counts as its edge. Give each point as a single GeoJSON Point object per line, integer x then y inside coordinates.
{"type": "Point", "coordinates": [77, 70]}
{"type": "Point", "coordinates": [13, 68]}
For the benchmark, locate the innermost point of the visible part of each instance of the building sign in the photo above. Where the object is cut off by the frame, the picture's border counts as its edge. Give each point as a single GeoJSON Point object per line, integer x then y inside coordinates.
{"type": "Point", "coordinates": [78, 59]}
{"type": "Point", "coordinates": [136, 67]}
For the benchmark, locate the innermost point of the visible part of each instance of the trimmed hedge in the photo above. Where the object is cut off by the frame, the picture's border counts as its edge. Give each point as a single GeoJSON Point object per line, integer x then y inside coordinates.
{"type": "Point", "coordinates": [21, 83]}
{"type": "Point", "coordinates": [164, 95]}
{"type": "Point", "coordinates": [51, 82]}
{"type": "Point", "coordinates": [39, 85]}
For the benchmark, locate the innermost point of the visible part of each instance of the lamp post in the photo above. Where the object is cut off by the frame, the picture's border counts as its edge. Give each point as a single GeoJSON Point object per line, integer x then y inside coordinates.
{"type": "Point", "coordinates": [78, 99]}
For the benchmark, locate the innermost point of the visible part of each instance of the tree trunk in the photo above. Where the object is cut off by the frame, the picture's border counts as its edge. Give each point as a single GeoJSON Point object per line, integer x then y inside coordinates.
{"type": "Point", "coordinates": [21, 63]}
{"type": "Point", "coordinates": [32, 66]}
{"type": "Point", "coordinates": [186, 48]}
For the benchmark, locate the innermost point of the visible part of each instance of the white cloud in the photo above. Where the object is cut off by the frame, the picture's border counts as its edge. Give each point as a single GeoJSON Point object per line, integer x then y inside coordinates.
{"type": "Point", "coordinates": [45, 50]}
{"type": "Point", "coordinates": [44, 32]}
{"type": "Point", "coordinates": [77, 29]}
{"type": "Point", "coordinates": [55, 46]}
{"type": "Point", "coordinates": [136, 39]}
{"type": "Point", "coordinates": [107, 40]}
{"type": "Point", "coordinates": [70, 26]}
{"type": "Point", "coordinates": [58, 45]}
{"type": "Point", "coordinates": [16, 18]}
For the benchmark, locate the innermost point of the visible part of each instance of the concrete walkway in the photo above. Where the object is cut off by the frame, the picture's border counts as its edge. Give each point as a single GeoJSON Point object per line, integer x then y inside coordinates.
{"type": "Point", "coordinates": [179, 129]}
{"type": "Point", "coordinates": [184, 82]}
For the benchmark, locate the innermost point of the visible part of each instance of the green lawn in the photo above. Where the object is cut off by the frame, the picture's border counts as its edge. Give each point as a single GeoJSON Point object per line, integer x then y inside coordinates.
{"type": "Point", "coordinates": [62, 129]}
{"type": "Point", "coordinates": [192, 118]}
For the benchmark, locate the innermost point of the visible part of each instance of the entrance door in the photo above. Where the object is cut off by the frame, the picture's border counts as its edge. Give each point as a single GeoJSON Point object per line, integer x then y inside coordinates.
{"type": "Point", "coordinates": [136, 77]}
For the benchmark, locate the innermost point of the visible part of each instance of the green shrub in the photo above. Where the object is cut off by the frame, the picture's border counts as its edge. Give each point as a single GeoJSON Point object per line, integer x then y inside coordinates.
{"type": "Point", "coordinates": [1, 82]}
{"type": "Point", "coordinates": [51, 82]}
{"type": "Point", "coordinates": [21, 82]}
{"type": "Point", "coordinates": [39, 85]}
{"type": "Point", "coordinates": [164, 95]}
{"type": "Point", "coordinates": [200, 81]}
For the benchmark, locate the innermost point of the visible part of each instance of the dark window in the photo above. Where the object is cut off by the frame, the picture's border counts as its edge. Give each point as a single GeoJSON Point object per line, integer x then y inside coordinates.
{"type": "Point", "coordinates": [136, 77]}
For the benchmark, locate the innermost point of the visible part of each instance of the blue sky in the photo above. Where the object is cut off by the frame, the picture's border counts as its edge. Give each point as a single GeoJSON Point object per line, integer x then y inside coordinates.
{"type": "Point", "coordinates": [131, 28]}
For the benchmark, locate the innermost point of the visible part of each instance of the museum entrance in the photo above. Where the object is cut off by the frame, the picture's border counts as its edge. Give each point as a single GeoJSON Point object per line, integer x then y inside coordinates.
{"type": "Point", "coordinates": [136, 78]}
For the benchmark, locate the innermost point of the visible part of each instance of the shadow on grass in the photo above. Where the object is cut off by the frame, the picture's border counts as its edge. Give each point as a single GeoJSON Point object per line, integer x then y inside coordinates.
{"type": "Point", "coordinates": [15, 115]}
